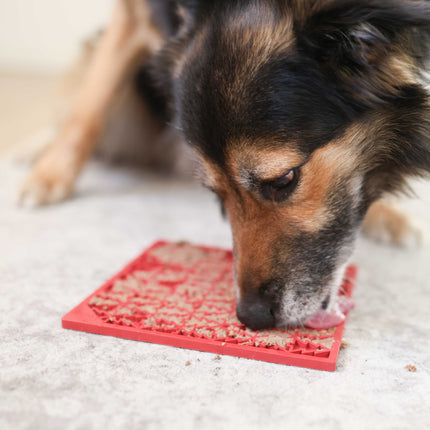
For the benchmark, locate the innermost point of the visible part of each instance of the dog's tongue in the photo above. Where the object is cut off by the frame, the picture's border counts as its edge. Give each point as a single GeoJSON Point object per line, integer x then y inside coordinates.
{"type": "Point", "coordinates": [325, 319]}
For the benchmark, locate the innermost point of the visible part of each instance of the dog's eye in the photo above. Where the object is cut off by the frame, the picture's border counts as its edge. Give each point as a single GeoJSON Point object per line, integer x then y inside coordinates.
{"type": "Point", "coordinates": [280, 189]}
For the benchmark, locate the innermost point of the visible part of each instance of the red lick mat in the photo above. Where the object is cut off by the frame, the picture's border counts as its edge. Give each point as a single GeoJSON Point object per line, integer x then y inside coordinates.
{"type": "Point", "coordinates": [182, 295]}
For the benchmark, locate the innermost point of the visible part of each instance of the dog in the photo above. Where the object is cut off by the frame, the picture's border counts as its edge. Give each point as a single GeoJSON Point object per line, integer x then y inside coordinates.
{"type": "Point", "coordinates": [303, 114]}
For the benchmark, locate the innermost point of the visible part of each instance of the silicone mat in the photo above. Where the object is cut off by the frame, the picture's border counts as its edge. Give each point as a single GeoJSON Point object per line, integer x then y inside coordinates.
{"type": "Point", "coordinates": [183, 295]}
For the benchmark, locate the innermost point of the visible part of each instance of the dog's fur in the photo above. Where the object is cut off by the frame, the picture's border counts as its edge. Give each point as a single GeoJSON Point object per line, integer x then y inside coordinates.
{"type": "Point", "coordinates": [303, 113]}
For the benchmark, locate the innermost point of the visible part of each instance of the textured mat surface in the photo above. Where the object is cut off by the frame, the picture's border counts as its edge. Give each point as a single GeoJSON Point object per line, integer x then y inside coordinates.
{"type": "Point", "coordinates": [183, 295]}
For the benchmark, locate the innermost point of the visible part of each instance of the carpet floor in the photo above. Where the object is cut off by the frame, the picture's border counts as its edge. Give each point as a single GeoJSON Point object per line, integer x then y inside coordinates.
{"type": "Point", "coordinates": [51, 378]}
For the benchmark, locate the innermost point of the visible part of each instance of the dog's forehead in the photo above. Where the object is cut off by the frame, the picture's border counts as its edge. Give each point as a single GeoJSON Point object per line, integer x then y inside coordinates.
{"type": "Point", "coordinates": [231, 87]}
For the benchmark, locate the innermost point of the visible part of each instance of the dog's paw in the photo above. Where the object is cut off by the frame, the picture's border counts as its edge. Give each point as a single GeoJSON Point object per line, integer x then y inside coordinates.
{"type": "Point", "coordinates": [51, 181]}
{"type": "Point", "coordinates": [386, 223]}
{"type": "Point", "coordinates": [39, 192]}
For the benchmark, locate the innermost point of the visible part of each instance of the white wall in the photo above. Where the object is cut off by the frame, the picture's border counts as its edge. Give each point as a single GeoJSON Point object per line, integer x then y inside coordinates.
{"type": "Point", "coordinates": [44, 35]}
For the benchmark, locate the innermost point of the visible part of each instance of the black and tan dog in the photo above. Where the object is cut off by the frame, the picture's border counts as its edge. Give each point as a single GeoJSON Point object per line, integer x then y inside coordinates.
{"type": "Point", "coordinates": [304, 114]}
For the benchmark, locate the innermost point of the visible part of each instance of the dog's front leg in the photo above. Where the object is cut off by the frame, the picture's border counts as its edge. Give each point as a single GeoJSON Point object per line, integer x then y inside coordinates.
{"type": "Point", "coordinates": [386, 222]}
{"type": "Point", "coordinates": [129, 38]}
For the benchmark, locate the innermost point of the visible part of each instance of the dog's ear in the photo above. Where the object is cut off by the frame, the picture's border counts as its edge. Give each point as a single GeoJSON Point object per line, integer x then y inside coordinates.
{"type": "Point", "coordinates": [349, 31]}
{"type": "Point", "coordinates": [353, 38]}
{"type": "Point", "coordinates": [373, 50]}
{"type": "Point", "coordinates": [398, 143]}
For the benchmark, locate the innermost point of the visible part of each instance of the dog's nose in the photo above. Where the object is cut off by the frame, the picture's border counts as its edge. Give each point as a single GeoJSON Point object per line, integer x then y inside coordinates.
{"type": "Point", "coordinates": [256, 313]}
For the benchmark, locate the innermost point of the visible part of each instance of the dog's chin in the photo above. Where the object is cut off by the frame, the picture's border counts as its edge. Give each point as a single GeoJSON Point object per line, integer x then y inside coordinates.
{"type": "Point", "coordinates": [294, 312]}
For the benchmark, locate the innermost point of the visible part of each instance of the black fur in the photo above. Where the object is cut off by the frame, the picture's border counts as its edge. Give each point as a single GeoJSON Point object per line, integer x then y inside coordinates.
{"type": "Point", "coordinates": [312, 95]}
{"type": "Point", "coordinates": [336, 72]}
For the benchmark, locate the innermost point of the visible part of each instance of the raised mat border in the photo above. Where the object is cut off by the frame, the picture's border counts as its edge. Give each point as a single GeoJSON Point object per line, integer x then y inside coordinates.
{"type": "Point", "coordinates": [82, 318]}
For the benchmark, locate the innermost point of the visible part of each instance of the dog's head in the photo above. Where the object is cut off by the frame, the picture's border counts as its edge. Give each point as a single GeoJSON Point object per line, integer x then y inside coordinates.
{"type": "Point", "coordinates": [303, 113]}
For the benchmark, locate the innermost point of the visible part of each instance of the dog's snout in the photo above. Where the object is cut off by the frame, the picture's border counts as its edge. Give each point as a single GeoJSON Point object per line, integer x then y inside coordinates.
{"type": "Point", "coordinates": [256, 313]}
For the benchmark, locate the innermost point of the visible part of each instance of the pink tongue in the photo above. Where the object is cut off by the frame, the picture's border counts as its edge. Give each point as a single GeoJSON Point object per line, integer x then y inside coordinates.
{"type": "Point", "coordinates": [325, 319]}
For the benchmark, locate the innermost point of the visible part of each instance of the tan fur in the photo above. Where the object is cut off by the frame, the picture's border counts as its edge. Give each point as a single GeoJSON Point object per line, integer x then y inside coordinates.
{"type": "Point", "coordinates": [327, 167]}
{"type": "Point", "coordinates": [255, 229]}
{"type": "Point", "coordinates": [258, 224]}
{"type": "Point", "coordinates": [266, 36]}
{"type": "Point", "coordinates": [264, 164]}
{"type": "Point", "coordinates": [396, 71]}
{"type": "Point", "coordinates": [303, 9]}
{"type": "Point", "coordinates": [264, 41]}
{"type": "Point", "coordinates": [129, 37]}
{"type": "Point", "coordinates": [401, 66]}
